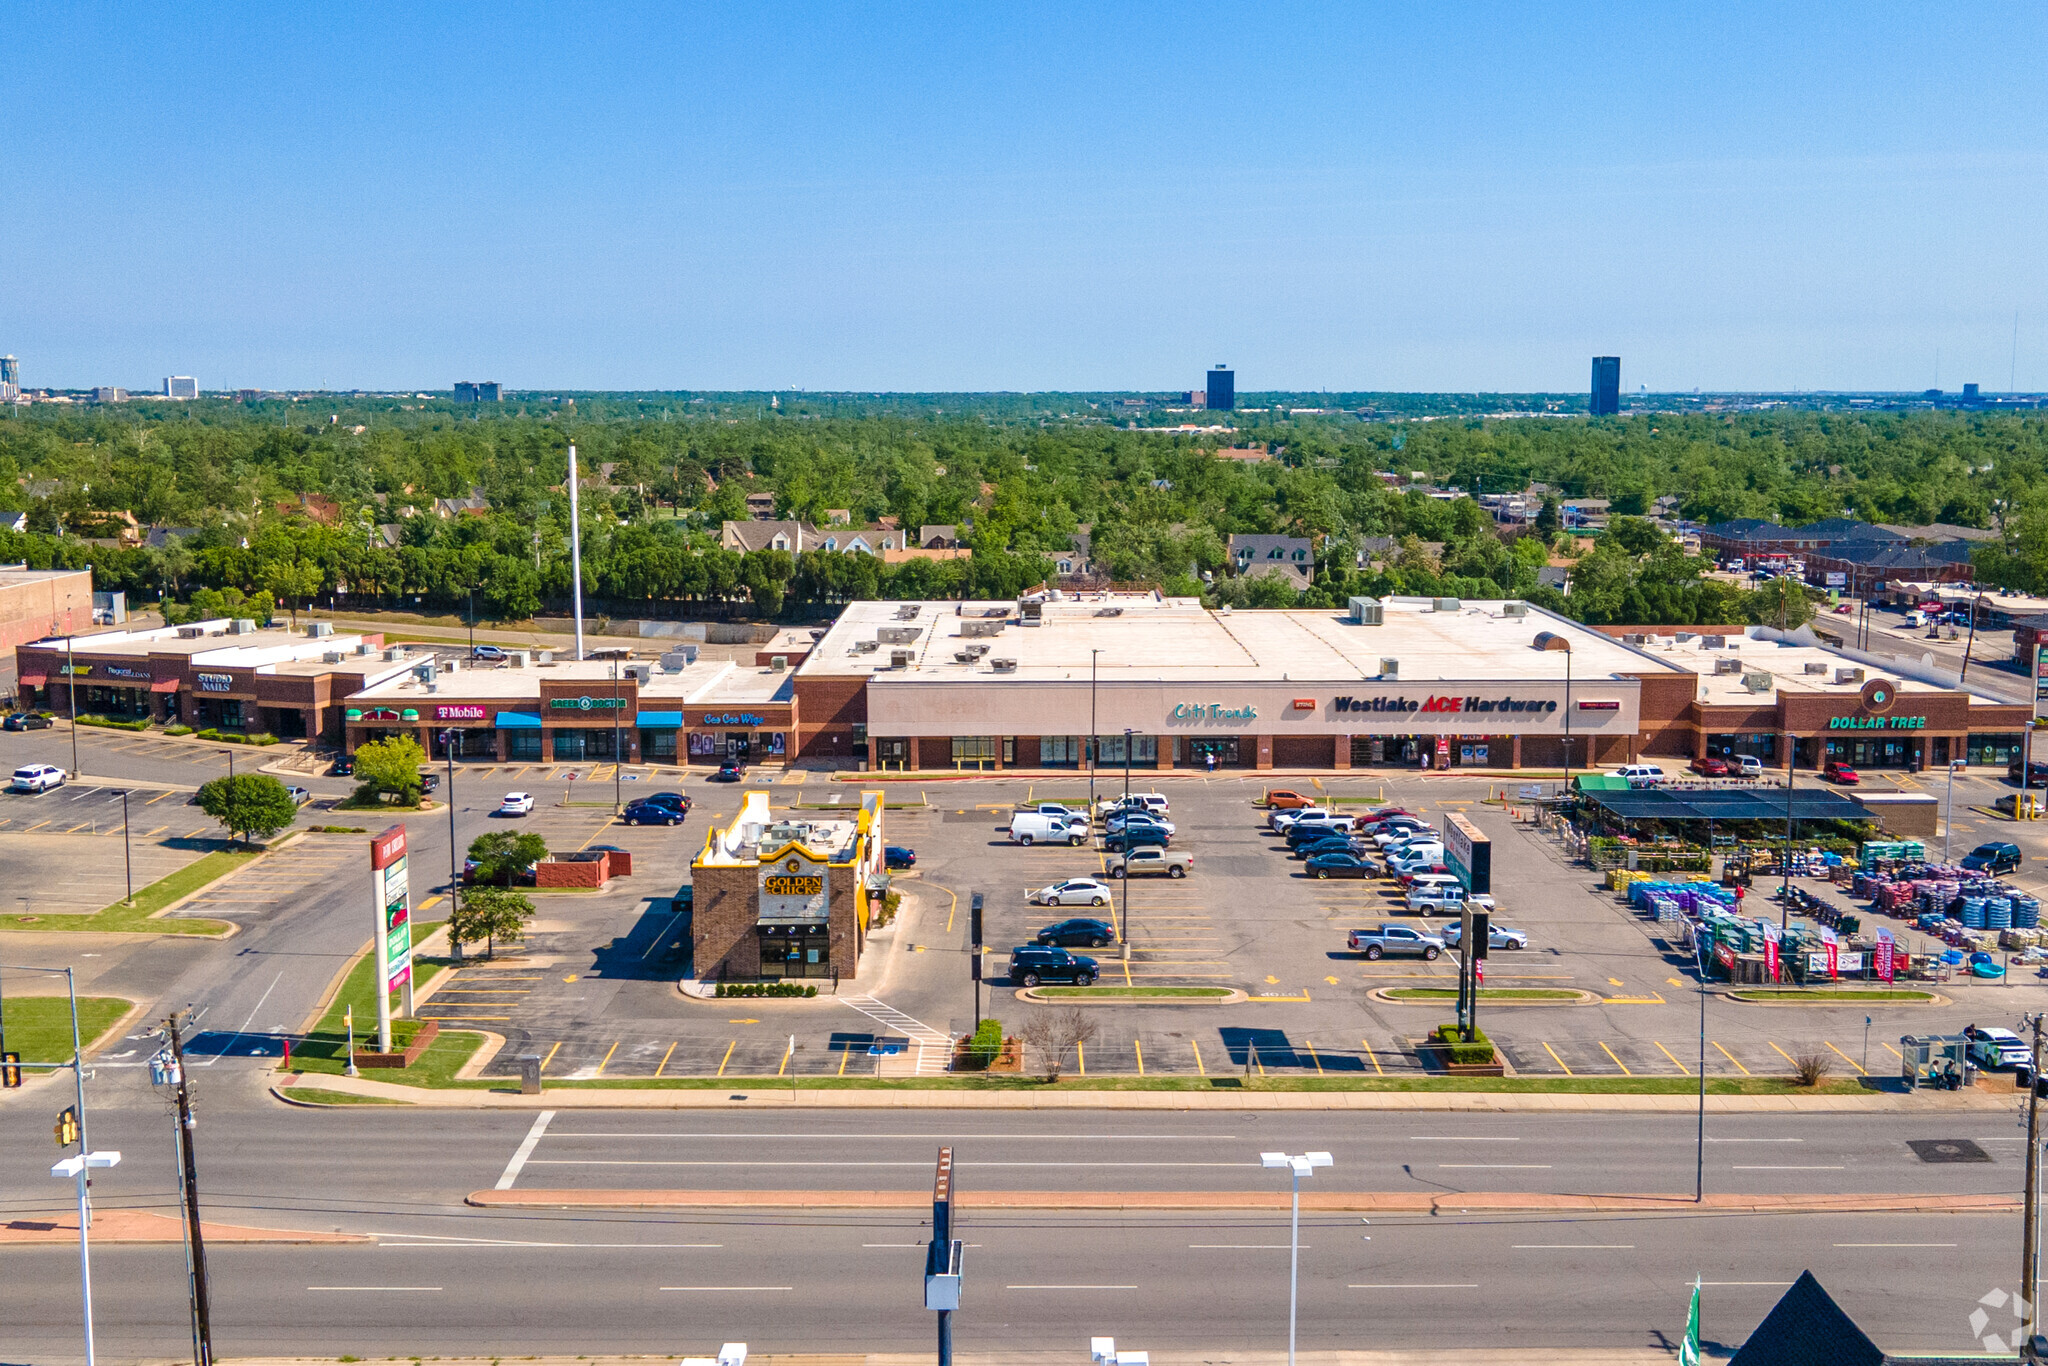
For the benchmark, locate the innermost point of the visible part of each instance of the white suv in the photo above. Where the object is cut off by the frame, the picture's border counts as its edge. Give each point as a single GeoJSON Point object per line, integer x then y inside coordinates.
{"type": "Point", "coordinates": [37, 778]}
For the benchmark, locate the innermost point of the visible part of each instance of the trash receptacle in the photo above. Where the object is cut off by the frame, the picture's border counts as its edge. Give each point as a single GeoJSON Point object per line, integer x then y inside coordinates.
{"type": "Point", "coordinates": [529, 1074]}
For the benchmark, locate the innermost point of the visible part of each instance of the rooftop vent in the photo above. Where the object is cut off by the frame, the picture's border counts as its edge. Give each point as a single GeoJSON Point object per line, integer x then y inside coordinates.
{"type": "Point", "coordinates": [546, 656]}
{"type": "Point", "coordinates": [1368, 612]}
{"type": "Point", "coordinates": [319, 628]}
{"type": "Point", "coordinates": [1637, 639]}
{"type": "Point", "coordinates": [1448, 605]}
{"type": "Point", "coordinates": [1390, 668]}
{"type": "Point", "coordinates": [908, 612]}
{"type": "Point", "coordinates": [898, 635]}
{"type": "Point", "coordinates": [1683, 636]}
{"type": "Point", "coordinates": [1727, 666]}
{"type": "Point", "coordinates": [865, 647]}
{"type": "Point", "coordinates": [1003, 666]}
{"type": "Point", "coordinates": [900, 659]}
{"type": "Point", "coordinates": [1712, 642]}
{"type": "Point", "coordinates": [985, 627]}
{"type": "Point", "coordinates": [1757, 682]}
{"type": "Point", "coordinates": [778, 663]}
{"type": "Point", "coordinates": [1815, 666]}
{"type": "Point", "coordinates": [1514, 609]}
{"type": "Point", "coordinates": [191, 632]}
{"type": "Point", "coordinates": [1847, 675]}
{"type": "Point", "coordinates": [1551, 640]}
{"type": "Point", "coordinates": [1109, 611]}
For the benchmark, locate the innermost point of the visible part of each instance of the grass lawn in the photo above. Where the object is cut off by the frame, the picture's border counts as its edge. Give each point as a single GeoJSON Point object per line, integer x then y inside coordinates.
{"type": "Point", "coordinates": [39, 1027]}
{"type": "Point", "coordinates": [1825, 994]}
{"type": "Point", "coordinates": [148, 901]}
{"type": "Point", "coordinates": [326, 1048]}
{"type": "Point", "coordinates": [320, 1096]}
{"type": "Point", "coordinates": [1136, 993]}
{"type": "Point", "coordinates": [1485, 994]}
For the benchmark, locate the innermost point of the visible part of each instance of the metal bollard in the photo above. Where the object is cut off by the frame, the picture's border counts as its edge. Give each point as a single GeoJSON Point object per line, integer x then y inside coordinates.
{"type": "Point", "coordinates": [529, 1074]}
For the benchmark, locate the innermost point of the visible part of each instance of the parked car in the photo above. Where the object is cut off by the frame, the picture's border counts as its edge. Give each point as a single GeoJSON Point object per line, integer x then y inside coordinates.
{"type": "Point", "coordinates": [1336, 842]}
{"type": "Point", "coordinates": [1033, 963]}
{"type": "Point", "coordinates": [1396, 939]}
{"type": "Point", "coordinates": [1072, 815]}
{"type": "Point", "coordinates": [1128, 817]}
{"type": "Point", "coordinates": [1640, 775]}
{"type": "Point", "coordinates": [2037, 772]}
{"type": "Point", "coordinates": [488, 654]}
{"type": "Point", "coordinates": [1140, 836]}
{"type": "Point", "coordinates": [37, 778]}
{"type": "Point", "coordinates": [1710, 767]}
{"type": "Point", "coordinates": [1414, 857]}
{"type": "Point", "coordinates": [1444, 898]}
{"type": "Point", "coordinates": [1074, 891]}
{"type": "Point", "coordinates": [1154, 802]}
{"type": "Point", "coordinates": [1281, 799]}
{"type": "Point", "coordinates": [1838, 772]}
{"type": "Point", "coordinates": [516, 804]}
{"type": "Point", "coordinates": [644, 812]}
{"type": "Point", "coordinates": [25, 720]}
{"type": "Point", "coordinates": [1990, 1048]}
{"type": "Point", "coordinates": [1150, 858]}
{"type": "Point", "coordinates": [1993, 858]}
{"type": "Point", "coordinates": [1306, 832]}
{"type": "Point", "coordinates": [1845, 609]}
{"type": "Point", "coordinates": [1497, 936]}
{"type": "Point", "coordinates": [731, 771]}
{"type": "Point", "coordinates": [299, 795]}
{"type": "Point", "coordinates": [1394, 836]}
{"type": "Point", "coordinates": [896, 856]}
{"type": "Point", "coordinates": [1341, 864]}
{"type": "Point", "coordinates": [1087, 933]}
{"type": "Point", "coordinates": [1749, 766]}
{"type": "Point", "coordinates": [344, 766]}
{"type": "Point", "coordinates": [1028, 827]}
{"type": "Point", "coordinates": [1278, 821]}
{"type": "Point", "coordinates": [429, 780]}
{"type": "Point", "coordinates": [1324, 821]}
{"type": "Point", "coordinates": [675, 800]}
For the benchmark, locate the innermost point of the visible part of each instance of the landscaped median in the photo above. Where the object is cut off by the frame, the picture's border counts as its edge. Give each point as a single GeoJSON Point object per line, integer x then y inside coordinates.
{"type": "Point", "coordinates": [39, 1027]}
{"type": "Point", "coordinates": [1525, 996]}
{"type": "Point", "coordinates": [1101, 995]}
{"type": "Point", "coordinates": [138, 916]}
{"type": "Point", "coordinates": [1829, 996]}
{"type": "Point", "coordinates": [324, 1050]}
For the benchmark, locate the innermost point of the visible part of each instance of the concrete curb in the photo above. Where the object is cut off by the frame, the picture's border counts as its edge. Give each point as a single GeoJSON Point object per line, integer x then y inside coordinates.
{"type": "Point", "coordinates": [1321, 1202]}
{"type": "Point", "coordinates": [1934, 999]}
{"type": "Point", "coordinates": [1581, 998]}
{"type": "Point", "coordinates": [1232, 996]}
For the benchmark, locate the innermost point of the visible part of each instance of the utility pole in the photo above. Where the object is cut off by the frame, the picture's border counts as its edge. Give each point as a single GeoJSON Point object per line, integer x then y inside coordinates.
{"type": "Point", "coordinates": [188, 1180]}
{"type": "Point", "coordinates": [2030, 1264]}
{"type": "Point", "coordinates": [449, 739]}
{"type": "Point", "coordinates": [575, 552]}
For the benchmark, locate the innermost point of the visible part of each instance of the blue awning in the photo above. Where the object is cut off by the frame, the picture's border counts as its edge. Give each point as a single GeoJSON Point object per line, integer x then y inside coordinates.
{"type": "Point", "coordinates": [661, 720]}
{"type": "Point", "coordinates": [518, 720]}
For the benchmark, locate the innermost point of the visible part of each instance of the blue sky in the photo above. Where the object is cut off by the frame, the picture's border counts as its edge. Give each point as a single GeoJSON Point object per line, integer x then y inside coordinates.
{"type": "Point", "coordinates": [901, 196]}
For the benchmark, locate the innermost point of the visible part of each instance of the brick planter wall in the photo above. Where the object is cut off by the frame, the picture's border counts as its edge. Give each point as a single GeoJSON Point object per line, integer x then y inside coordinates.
{"type": "Point", "coordinates": [420, 1042]}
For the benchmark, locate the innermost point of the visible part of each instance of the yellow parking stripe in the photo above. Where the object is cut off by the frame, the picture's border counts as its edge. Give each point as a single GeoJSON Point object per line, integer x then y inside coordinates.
{"type": "Point", "coordinates": [607, 1058]}
{"type": "Point", "coordinates": [1554, 1058]}
{"type": "Point", "coordinates": [1673, 1056]}
{"type": "Point", "coordinates": [1081, 1058]}
{"type": "Point", "coordinates": [551, 1055]}
{"type": "Point", "coordinates": [728, 1056]}
{"type": "Point", "coordinates": [1617, 1061]}
{"type": "Point", "coordinates": [1847, 1059]}
{"type": "Point", "coordinates": [1366, 1044]}
{"type": "Point", "coordinates": [1786, 1056]}
{"type": "Point", "coordinates": [158, 797]}
{"type": "Point", "coordinates": [1199, 1069]}
{"type": "Point", "coordinates": [1310, 1045]}
{"type": "Point", "coordinates": [1138, 1047]}
{"type": "Point", "coordinates": [1732, 1058]}
{"type": "Point", "coordinates": [664, 1060]}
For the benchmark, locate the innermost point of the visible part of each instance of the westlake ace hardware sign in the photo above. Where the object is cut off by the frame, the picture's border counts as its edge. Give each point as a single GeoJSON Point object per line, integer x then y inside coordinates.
{"type": "Point", "coordinates": [392, 944]}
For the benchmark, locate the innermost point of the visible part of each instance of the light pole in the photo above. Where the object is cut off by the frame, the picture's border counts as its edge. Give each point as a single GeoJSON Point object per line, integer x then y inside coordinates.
{"type": "Point", "coordinates": [75, 1169]}
{"type": "Point", "coordinates": [1304, 1165]}
{"type": "Point", "coordinates": [448, 741]}
{"type": "Point", "coordinates": [1949, 808]}
{"type": "Point", "coordinates": [618, 755]}
{"type": "Point", "coordinates": [1567, 718]}
{"type": "Point", "coordinates": [71, 674]}
{"type": "Point", "coordinates": [1785, 872]}
{"type": "Point", "coordinates": [1129, 735]}
{"type": "Point", "coordinates": [127, 857]}
{"type": "Point", "coordinates": [1088, 746]}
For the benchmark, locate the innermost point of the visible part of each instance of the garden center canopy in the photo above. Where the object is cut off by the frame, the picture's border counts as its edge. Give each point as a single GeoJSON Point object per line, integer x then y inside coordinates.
{"type": "Point", "coordinates": [1727, 804]}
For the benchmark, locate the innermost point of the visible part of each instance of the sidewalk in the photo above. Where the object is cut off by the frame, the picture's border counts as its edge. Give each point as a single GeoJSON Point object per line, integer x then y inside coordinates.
{"type": "Point", "coordinates": [771, 1093]}
{"type": "Point", "coordinates": [1199, 1356]}
{"type": "Point", "coordinates": [141, 1226]}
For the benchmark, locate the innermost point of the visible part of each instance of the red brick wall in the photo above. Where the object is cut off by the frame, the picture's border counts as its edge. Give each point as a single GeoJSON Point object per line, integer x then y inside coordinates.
{"type": "Point", "coordinates": [1301, 751]}
{"type": "Point", "coordinates": [826, 709]}
{"type": "Point", "coordinates": [722, 923]}
{"type": "Point", "coordinates": [42, 607]}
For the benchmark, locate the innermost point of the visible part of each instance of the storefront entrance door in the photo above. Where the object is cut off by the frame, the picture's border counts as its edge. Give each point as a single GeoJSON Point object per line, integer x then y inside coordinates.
{"type": "Point", "coordinates": [739, 745]}
{"type": "Point", "coordinates": [803, 950]}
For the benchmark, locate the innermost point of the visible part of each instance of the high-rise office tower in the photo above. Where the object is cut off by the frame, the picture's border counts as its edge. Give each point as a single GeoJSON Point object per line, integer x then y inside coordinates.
{"type": "Point", "coordinates": [477, 391]}
{"type": "Point", "coordinates": [1606, 400]}
{"type": "Point", "coordinates": [10, 378]}
{"type": "Point", "coordinates": [181, 386]}
{"type": "Point", "coordinates": [1222, 388]}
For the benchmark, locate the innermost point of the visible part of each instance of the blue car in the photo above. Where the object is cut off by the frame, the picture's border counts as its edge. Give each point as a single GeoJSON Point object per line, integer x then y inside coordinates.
{"type": "Point", "coordinates": [896, 856]}
{"type": "Point", "coordinates": [1328, 844]}
{"type": "Point", "coordinates": [650, 813]}
{"type": "Point", "coordinates": [1341, 865]}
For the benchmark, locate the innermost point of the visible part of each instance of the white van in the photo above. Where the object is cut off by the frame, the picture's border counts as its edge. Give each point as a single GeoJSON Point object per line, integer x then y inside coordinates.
{"type": "Point", "coordinates": [1640, 775]}
{"type": "Point", "coordinates": [1748, 766]}
{"type": "Point", "coordinates": [38, 778]}
{"type": "Point", "coordinates": [1028, 827]}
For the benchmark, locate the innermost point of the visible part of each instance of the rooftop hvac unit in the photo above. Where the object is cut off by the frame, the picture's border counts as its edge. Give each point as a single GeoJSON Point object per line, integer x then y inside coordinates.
{"type": "Point", "coordinates": [1514, 609]}
{"type": "Point", "coordinates": [779, 663]}
{"type": "Point", "coordinates": [1040, 621]}
{"type": "Point", "coordinates": [1390, 668]}
{"type": "Point", "coordinates": [676, 660]}
{"type": "Point", "coordinates": [242, 626]}
{"type": "Point", "coordinates": [643, 672]}
{"type": "Point", "coordinates": [1109, 611]}
{"type": "Point", "coordinates": [899, 635]}
{"type": "Point", "coordinates": [962, 657]}
{"type": "Point", "coordinates": [1638, 639]}
{"type": "Point", "coordinates": [1727, 666]}
{"type": "Point", "coordinates": [984, 627]}
{"type": "Point", "coordinates": [1757, 682]}
{"type": "Point", "coordinates": [191, 632]}
{"type": "Point", "coordinates": [866, 647]}
{"type": "Point", "coordinates": [900, 659]}
{"type": "Point", "coordinates": [977, 651]}
{"type": "Point", "coordinates": [394, 653]}
{"type": "Point", "coordinates": [333, 657]}
{"type": "Point", "coordinates": [1448, 605]}
{"type": "Point", "coordinates": [1815, 666]}
{"type": "Point", "coordinates": [546, 657]}
{"type": "Point", "coordinates": [364, 647]}
{"type": "Point", "coordinates": [1712, 642]}
{"type": "Point", "coordinates": [1003, 666]}
{"type": "Point", "coordinates": [522, 659]}
{"type": "Point", "coordinates": [319, 628]}
{"type": "Point", "coordinates": [1368, 612]}
{"type": "Point", "coordinates": [908, 612]}
{"type": "Point", "coordinates": [1848, 675]}
{"type": "Point", "coordinates": [1683, 636]}
{"type": "Point", "coordinates": [424, 672]}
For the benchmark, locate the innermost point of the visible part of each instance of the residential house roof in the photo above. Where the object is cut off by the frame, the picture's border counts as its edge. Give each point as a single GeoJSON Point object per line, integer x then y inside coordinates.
{"type": "Point", "coordinates": [475, 505]}
{"type": "Point", "coordinates": [938, 535]}
{"type": "Point", "coordinates": [1942, 531]}
{"type": "Point", "coordinates": [1301, 576]}
{"type": "Point", "coordinates": [1287, 549]}
{"type": "Point", "coordinates": [761, 506]}
{"type": "Point", "coordinates": [157, 536]}
{"type": "Point", "coordinates": [770, 535]}
{"type": "Point", "coordinates": [390, 533]}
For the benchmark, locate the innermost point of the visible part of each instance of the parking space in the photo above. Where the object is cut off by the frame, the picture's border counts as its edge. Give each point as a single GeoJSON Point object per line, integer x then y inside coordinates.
{"type": "Point", "coordinates": [95, 809]}
{"type": "Point", "coordinates": [276, 884]}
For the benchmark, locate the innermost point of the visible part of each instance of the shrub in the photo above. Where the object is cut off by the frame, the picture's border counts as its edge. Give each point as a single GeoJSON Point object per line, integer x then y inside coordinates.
{"type": "Point", "coordinates": [177, 728]}
{"type": "Point", "coordinates": [765, 989]}
{"type": "Point", "coordinates": [1456, 1050]}
{"type": "Point", "coordinates": [1811, 1069]}
{"type": "Point", "coordinates": [113, 722]}
{"type": "Point", "coordinates": [985, 1043]}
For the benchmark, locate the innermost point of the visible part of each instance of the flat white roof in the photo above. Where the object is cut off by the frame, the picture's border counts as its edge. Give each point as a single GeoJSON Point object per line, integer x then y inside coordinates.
{"type": "Point", "coordinates": [1793, 668]}
{"type": "Point", "coordinates": [713, 682]}
{"type": "Point", "coordinates": [1144, 638]}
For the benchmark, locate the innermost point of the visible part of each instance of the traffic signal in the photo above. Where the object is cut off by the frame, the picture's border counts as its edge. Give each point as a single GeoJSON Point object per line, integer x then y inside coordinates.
{"type": "Point", "coordinates": [10, 1070]}
{"type": "Point", "coordinates": [67, 1127]}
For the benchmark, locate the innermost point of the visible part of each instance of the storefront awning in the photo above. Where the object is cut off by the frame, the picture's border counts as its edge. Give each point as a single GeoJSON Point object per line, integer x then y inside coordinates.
{"type": "Point", "coordinates": [164, 685]}
{"type": "Point", "coordinates": [34, 680]}
{"type": "Point", "coordinates": [518, 720]}
{"type": "Point", "coordinates": [661, 720]}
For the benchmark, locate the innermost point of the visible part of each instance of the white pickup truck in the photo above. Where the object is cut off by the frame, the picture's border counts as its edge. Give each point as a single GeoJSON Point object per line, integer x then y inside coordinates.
{"type": "Point", "coordinates": [1150, 858]}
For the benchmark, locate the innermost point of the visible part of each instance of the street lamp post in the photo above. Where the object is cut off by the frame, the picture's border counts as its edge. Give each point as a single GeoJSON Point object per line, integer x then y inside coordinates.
{"type": "Point", "coordinates": [127, 857]}
{"type": "Point", "coordinates": [449, 738]}
{"type": "Point", "coordinates": [75, 1169]}
{"type": "Point", "coordinates": [1088, 747]}
{"type": "Point", "coordinates": [1567, 718]}
{"type": "Point", "coordinates": [1129, 735]}
{"type": "Point", "coordinates": [1303, 1165]}
{"type": "Point", "coordinates": [71, 674]}
{"type": "Point", "coordinates": [1949, 808]}
{"type": "Point", "coordinates": [618, 755]}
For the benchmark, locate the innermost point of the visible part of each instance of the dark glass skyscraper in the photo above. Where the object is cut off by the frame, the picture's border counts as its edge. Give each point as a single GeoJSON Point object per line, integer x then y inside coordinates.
{"type": "Point", "coordinates": [1222, 388]}
{"type": "Point", "coordinates": [1606, 401]}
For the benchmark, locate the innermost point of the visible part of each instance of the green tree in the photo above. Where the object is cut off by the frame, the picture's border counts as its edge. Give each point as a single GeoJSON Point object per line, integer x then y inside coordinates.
{"type": "Point", "coordinates": [291, 581]}
{"type": "Point", "coordinates": [1546, 519]}
{"type": "Point", "coordinates": [389, 769]}
{"type": "Point", "coordinates": [502, 855]}
{"type": "Point", "coordinates": [249, 804]}
{"type": "Point", "coordinates": [490, 914]}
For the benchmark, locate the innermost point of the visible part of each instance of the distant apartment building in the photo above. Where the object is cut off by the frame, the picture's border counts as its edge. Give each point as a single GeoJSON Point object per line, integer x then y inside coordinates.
{"type": "Point", "coordinates": [10, 378]}
{"type": "Point", "coordinates": [477, 391]}
{"type": "Point", "coordinates": [181, 386]}
{"type": "Point", "coordinates": [1606, 396]}
{"type": "Point", "coordinates": [109, 393]}
{"type": "Point", "coordinates": [1220, 389]}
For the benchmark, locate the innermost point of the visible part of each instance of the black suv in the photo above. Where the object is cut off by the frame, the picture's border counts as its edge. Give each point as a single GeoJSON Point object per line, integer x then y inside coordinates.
{"type": "Point", "coordinates": [1031, 964]}
{"type": "Point", "coordinates": [1994, 858]}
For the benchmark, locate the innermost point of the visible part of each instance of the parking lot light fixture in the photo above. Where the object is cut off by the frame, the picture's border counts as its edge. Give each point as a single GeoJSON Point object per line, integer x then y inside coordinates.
{"type": "Point", "coordinates": [449, 738]}
{"type": "Point", "coordinates": [1303, 1165]}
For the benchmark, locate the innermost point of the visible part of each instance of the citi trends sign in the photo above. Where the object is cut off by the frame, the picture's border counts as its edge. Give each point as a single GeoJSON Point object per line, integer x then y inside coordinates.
{"type": "Point", "coordinates": [1441, 705]}
{"type": "Point", "coordinates": [1212, 711]}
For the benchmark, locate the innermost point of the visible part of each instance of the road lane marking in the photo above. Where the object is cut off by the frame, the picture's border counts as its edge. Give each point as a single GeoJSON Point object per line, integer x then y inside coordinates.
{"type": "Point", "coordinates": [524, 1150]}
{"type": "Point", "coordinates": [728, 1056]}
{"type": "Point", "coordinates": [1674, 1058]}
{"type": "Point", "coordinates": [1494, 1166]}
{"type": "Point", "coordinates": [726, 1289]}
{"type": "Point", "coordinates": [1554, 1058]}
{"type": "Point", "coordinates": [1070, 1287]}
{"type": "Point", "coordinates": [1458, 1138]}
{"type": "Point", "coordinates": [1761, 1140]}
{"type": "Point", "coordinates": [380, 1289]}
{"type": "Point", "coordinates": [1787, 1169]}
{"type": "Point", "coordinates": [1732, 1058]}
{"type": "Point", "coordinates": [822, 1162]}
{"type": "Point", "coordinates": [551, 1055]}
{"type": "Point", "coordinates": [1860, 1068]}
{"type": "Point", "coordinates": [607, 1058]}
{"type": "Point", "coordinates": [1250, 1247]}
{"type": "Point", "coordinates": [1573, 1247]}
{"type": "Point", "coordinates": [1894, 1244]}
{"type": "Point", "coordinates": [1617, 1061]}
{"type": "Point", "coordinates": [1413, 1285]}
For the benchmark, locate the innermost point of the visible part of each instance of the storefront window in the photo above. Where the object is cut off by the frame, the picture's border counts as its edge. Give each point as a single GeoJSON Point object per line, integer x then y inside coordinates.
{"type": "Point", "coordinates": [1994, 750]}
{"type": "Point", "coordinates": [597, 744]}
{"type": "Point", "coordinates": [1764, 747]}
{"type": "Point", "coordinates": [568, 746]}
{"type": "Point", "coordinates": [523, 746]}
{"type": "Point", "coordinates": [658, 746]}
{"type": "Point", "coordinates": [114, 701]}
{"type": "Point", "coordinates": [1144, 749]}
{"type": "Point", "coordinates": [1059, 751]}
{"type": "Point", "coordinates": [776, 744]}
{"type": "Point", "coordinates": [1222, 749]}
{"type": "Point", "coordinates": [795, 950]}
{"type": "Point", "coordinates": [703, 744]}
{"type": "Point", "coordinates": [979, 750]}
{"type": "Point", "coordinates": [892, 749]}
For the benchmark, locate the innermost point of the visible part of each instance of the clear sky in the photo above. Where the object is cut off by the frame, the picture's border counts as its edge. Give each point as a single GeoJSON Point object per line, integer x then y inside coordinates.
{"type": "Point", "coordinates": [1016, 196]}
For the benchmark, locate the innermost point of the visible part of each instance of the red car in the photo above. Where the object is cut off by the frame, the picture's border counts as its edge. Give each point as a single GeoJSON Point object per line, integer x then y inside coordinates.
{"type": "Point", "coordinates": [1843, 609]}
{"type": "Point", "coordinates": [1405, 878]}
{"type": "Point", "coordinates": [1710, 767]}
{"type": "Point", "coordinates": [1840, 773]}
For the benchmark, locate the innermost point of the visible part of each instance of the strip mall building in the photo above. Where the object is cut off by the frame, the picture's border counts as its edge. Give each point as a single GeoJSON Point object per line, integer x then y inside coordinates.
{"type": "Point", "coordinates": [1165, 683]}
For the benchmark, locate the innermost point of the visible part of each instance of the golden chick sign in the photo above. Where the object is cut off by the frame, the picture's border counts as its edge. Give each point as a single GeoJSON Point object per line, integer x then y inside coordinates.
{"type": "Point", "coordinates": [793, 886]}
